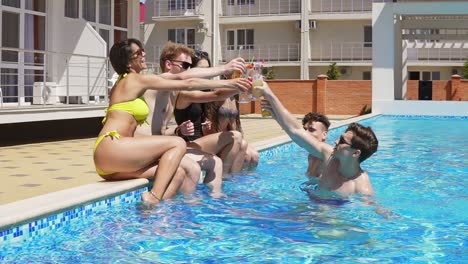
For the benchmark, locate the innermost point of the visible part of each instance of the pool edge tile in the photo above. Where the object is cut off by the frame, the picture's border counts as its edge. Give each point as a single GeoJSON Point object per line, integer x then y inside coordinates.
{"type": "Point", "coordinates": [16, 213]}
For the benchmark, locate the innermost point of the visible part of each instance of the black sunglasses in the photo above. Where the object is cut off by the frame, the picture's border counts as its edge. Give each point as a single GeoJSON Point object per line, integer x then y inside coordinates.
{"type": "Point", "coordinates": [185, 65]}
{"type": "Point", "coordinates": [201, 54]}
{"type": "Point", "coordinates": [343, 141]}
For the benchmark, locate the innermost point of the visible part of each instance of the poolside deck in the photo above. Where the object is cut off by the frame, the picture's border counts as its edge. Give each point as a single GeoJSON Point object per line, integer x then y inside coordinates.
{"type": "Point", "coordinates": [36, 169]}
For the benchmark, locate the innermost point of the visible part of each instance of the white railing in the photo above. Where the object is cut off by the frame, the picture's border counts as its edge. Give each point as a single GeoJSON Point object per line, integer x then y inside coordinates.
{"type": "Point", "coordinates": [438, 54]}
{"type": "Point", "coordinates": [177, 8]}
{"type": "Point", "coordinates": [260, 7]}
{"type": "Point", "coordinates": [342, 51]}
{"type": "Point", "coordinates": [42, 78]}
{"type": "Point", "coordinates": [279, 52]}
{"type": "Point", "coordinates": [436, 51]}
{"type": "Point", "coordinates": [341, 6]}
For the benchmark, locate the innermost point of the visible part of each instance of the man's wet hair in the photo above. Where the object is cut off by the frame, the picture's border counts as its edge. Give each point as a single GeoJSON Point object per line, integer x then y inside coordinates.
{"type": "Point", "coordinates": [120, 53]}
{"type": "Point", "coordinates": [317, 117]}
{"type": "Point", "coordinates": [171, 51]}
{"type": "Point", "coordinates": [363, 139]}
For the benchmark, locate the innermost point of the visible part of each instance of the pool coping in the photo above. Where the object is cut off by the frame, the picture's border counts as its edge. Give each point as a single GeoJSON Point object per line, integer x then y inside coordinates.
{"type": "Point", "coordinates": [27, 210]}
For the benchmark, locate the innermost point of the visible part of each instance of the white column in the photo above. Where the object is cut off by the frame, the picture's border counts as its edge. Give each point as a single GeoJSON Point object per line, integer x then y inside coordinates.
{"type": "Point", "coordinates": [305, 40]}
{"type": "Point", "coordinates": [383, 54]}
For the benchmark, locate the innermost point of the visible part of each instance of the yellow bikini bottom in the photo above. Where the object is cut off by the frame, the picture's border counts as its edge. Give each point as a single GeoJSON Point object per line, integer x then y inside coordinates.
{"type": "Point", "coordinates": [113, 134]}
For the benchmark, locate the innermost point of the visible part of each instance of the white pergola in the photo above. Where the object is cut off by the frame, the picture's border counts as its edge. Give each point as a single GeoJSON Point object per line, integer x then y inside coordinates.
{"type": "Point", "coordinates": [389, 70]}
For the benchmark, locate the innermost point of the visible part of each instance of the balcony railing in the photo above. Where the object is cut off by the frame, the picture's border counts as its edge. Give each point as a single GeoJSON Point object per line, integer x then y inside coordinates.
{"type": "Point", "coordinates": [344, 51]}
{"type": "Point", "coordinates": [42, 78]}
{"type": "Point", "coordinates": [341, 6]}
{"type": "Point", "coordinates": [280, 52]}
{"type": "Point", "coordinates": [438, 54]}
{"type": "Point", "coordinates": [177, 8]}
{"type": "Point", "coordinates": [260, 7]}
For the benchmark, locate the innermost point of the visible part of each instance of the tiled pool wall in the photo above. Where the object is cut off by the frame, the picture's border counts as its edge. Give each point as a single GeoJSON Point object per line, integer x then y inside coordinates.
{"type": "Point", "coordinates": [51, 223]}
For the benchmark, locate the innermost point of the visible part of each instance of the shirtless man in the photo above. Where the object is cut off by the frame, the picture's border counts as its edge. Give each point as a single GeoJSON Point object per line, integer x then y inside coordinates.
{"type": "Point", "coordinates": [317, 125]}
{"type": "Point", "coordinates": [176, 59]}
{"type": "Point", "coordinates": [342, 174]}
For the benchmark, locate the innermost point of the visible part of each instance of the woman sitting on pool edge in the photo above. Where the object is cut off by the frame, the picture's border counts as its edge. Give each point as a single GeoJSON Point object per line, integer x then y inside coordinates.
{"type": "Point", "coordinates": [118, 155]}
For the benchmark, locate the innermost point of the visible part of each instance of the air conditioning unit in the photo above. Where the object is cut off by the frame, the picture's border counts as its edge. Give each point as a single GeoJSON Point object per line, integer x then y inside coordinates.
{"type": "Point", "coordinates": [312, 24]}
{"type": "Point", "coordinates": [202, 25]}
{"type": "Point", "coordinates": [454, 71]}
{"type": "Point", "coordinates": [345, 70]}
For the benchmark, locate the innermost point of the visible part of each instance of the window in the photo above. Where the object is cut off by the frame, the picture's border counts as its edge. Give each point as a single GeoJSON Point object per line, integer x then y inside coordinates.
{"type": "Point", "coordinates": [9, 84]}
{"type": "Point", "coordinates": [119, 35]}
{"type": "Point", "coordinates": [240, 39]}
{"type": "Point", "coordinates": [105, 12]}
{"type": "Point", "coordinates": [181, 4]}
{"type": "Point", "coordinates": [10, 36]}
{"type": "Point", "coordinates": [414, 75]}
{"type": "Point", "coordinates": [34, 38]}
{"type": "Point", "coordinates": [184, 36]}
{"type": "Point", "coordinates": [12, 3]}
{"type": "Point", "coordinates": [104, 33]}
{"type": "Point", "coordinates": [426, 76]}
{"type": "Point", "coordinates": [246, 2]}
{"type": "Point", "coordinates": [36, 5]}
{"type": "Point", "coordinates": [120, 13]}
{"type": "Point", "coordinates": [435, 76]}
{"type": "Point", "coordinates": [89, 10]}
{"type": "Point", "coordinates": [367, 36]}
{"type": "Point", "coordinates": [367, 75]}
{"type": "Point", "coordinates": [71, 8]}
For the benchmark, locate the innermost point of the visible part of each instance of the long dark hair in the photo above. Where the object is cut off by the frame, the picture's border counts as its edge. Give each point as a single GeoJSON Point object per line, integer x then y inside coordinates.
{"type": "Point", "coordinates": [120, 53]}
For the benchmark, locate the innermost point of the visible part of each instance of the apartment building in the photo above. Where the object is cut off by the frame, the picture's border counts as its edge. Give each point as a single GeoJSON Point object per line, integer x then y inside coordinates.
{"type": "Point", "coordinates": [299, 39]}
{"type": "Point", "coordinates": [54, 56]}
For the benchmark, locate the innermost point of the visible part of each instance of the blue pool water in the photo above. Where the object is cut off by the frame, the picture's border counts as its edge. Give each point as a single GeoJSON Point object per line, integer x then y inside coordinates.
{"type": "Point", "coordinates": [419, 175]}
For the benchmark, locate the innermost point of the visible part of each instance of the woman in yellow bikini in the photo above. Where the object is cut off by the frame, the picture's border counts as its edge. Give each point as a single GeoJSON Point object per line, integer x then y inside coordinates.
{"type": "Point", "coordinates": [118, 155]}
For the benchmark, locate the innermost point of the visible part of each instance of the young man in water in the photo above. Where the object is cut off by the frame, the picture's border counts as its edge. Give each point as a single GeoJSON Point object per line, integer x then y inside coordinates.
{"type": "Point", "coordinates": [317, 125]}
{"type": "Point", "coordinates": [342, 174]}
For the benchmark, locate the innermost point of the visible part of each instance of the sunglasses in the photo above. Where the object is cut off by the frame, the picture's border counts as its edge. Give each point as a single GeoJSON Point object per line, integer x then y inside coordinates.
{"type": "Point", "coordinates": [343, 141]}
{"type": "Point", "coordinates": [183, 64]}
{"type": "Point", "coordinates": [201, 54]}
{"type": "Point", "coordinates": [137, 53]}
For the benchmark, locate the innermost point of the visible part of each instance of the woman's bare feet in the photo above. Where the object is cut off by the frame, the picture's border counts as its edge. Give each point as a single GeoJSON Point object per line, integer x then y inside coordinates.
{"type": "Point", "coordinates": [149, 199]}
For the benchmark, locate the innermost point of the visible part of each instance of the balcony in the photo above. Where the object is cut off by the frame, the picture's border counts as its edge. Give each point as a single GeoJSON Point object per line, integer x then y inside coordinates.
{"type": "Point", "coordinates": [34, 79]}
{"type": "Point", "coordinates": [279, 52]}
{"type": "Point", "coordinates": [177, 9]}
{"type": "Point", "coordinates": [341, 6]}
{"type": "Point", "coordinates": [437, 52]}
{"type": "Point", "coordinates": [342, 52]}
{"type": "Point", "coordinates": [260, 7]}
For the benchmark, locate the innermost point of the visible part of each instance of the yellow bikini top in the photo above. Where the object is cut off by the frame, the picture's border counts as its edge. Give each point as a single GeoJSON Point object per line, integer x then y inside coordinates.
{"type": "Point", "coordinates": [137, 108]}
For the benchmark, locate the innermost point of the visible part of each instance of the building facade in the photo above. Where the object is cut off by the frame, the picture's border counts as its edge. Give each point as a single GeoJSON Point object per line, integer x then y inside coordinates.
{"type": "Point", "coordinates": [299, 39]}
{"type": "Point", "coordinates": [54, 53]}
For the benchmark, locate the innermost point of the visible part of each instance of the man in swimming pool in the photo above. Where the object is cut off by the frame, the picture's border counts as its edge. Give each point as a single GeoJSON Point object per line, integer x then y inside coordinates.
{"type": "Point", "coordinates": [342, 174]}
{"type": "Point", "coordinates": [317, 125]}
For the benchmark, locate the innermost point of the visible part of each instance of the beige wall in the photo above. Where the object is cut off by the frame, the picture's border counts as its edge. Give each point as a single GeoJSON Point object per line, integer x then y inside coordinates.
{"type": "Point", "coordinates": [287, 73]}
{"type": "Point", "coordinates": [338, 31]}
{"type": "Point", "coordinates": [264, 33]}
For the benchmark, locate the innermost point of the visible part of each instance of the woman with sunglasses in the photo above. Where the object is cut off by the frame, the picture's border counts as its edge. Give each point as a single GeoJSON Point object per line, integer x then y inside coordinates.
{"type": "Point", "coordinates": [118, 155]}
{"type": "Point", "coordinates": [188, 107]}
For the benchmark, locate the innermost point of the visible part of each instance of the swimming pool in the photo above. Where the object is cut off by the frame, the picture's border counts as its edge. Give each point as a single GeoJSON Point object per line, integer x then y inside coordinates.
{"type": "Point", "coordinates": [419, 174]}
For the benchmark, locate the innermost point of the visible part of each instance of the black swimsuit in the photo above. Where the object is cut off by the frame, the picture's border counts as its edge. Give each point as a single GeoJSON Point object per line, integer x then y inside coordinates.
{"type": "Point", "coordinates": [194, 113]}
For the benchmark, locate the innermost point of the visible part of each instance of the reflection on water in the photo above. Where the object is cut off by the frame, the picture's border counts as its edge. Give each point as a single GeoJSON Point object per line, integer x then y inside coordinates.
{"type": "Point", "coordinates": [265, 217]}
